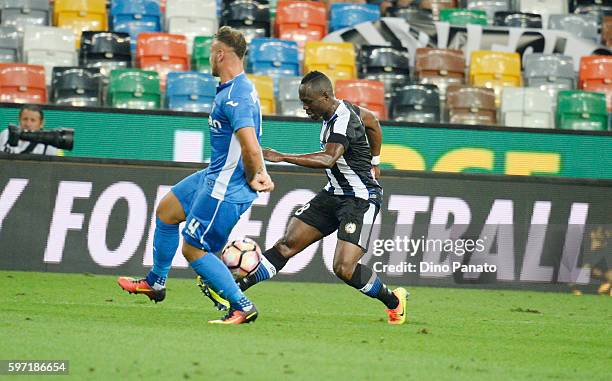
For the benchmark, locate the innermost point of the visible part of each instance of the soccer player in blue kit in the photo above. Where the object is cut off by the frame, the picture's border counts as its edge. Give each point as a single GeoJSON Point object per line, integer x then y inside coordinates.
{"type": "Point", "coordinates": [212, 200]}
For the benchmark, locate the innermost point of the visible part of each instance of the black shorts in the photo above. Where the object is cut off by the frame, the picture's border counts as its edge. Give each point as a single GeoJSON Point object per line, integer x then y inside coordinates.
{"type": "Point", "coordinates": [353, 217]}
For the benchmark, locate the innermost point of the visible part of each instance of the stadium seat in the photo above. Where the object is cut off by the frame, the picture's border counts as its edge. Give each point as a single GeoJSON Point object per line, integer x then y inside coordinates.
{"type": "Point", "coordinates": [334, 59]}
{"type": "Point", "coordinates": [606, 31]}
{"type": "Point", "coordinates": [200, 57]}
{"type": "Point", "coordinates": [471, 105]}
{"type": "Point", "coordinates": [300, 21]}
{"type": "Point", "coordinates": [273, 57]}
{"type": "Point", "coordinates": [134, 17]}
{"type": "Point", "coordinates": [583, 26]}
{"type": "Point", "coordinates": [9, 44]}
{"type": "Point", "coordinates": [459, 16]}
{"type": "Point", "coordinates": [596, 75]}
{"type": "Point", "coordinates": [76, 86]}
{"type": "Point", "coordinates": [436, 5]}
{"type": "Point", "coordinates": [163, 53]}
{"type": "Point", "coordinates": [581, 110]}
{"type": "Point", "coordinates": [345, 15]}
{"type": "Point", "coordinates": [495, 70]}
{"type": "Point", "coordinates": [518, 20]}
{"type": "Point", "coordinates": [526, 107]}
{"type": "Point", "coordinates": [21, 83]}
{"type": "Point", "coordinates": [265, 88]}
{"type": "Point", "coordinates": [597, 8]}
{"type": "Point", "coordinates": [440, 67]}
{"type": "Point", "coordinates": [135, 89]}
{"type": "Point", "coordinates": [191, 18]}
{"type": "Point", "coordinates": [251, 17]}
{"type": "Point", "coordinates": [387, 64]}
{"type": "Point", "coordinates": [550, 72]}
{"type": "Point", "coordinates": [412, 15]}
{"type": "Point", "coordinates": [49, 46]}
{"type": "Point", "coordinates": [190, 91]}
{"type": "Point", "coordinates": [105, 50]}
{"type": "Point", "coordinates": [489, 6]}
{"type": "Point", "coordinates": [416, 103]}
{"type": "Point", "coordinates": [365, 93]}
{"type": "Point", "coordinates": [80, 16]}
{"type": "Point", "coordinates": [20, 13]}
{"type": "Point", "coordinates": [544, 8]}
{"type": "Point", "coordinates": [289, 103]}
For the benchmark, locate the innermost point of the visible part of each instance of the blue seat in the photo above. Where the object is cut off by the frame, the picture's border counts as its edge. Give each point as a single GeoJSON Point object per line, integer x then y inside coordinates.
{"type": "Point", "coordinates": [344, 15]}
{"type": "Point", "coordinates": [190, 91]}
{"type": "Point", "coordinates": [134, 17]}
{"type": "Point", "coordinates": [273, 57]}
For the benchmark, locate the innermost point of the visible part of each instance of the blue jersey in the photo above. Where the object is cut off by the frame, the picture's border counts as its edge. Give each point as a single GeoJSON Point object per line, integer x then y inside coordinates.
{"type": "Point", "coordinates": [236, 106]}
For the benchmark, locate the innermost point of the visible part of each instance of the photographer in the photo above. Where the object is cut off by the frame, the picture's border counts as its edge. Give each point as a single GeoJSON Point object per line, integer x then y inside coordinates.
{"type": "Point", "coordinates": [31, 119]}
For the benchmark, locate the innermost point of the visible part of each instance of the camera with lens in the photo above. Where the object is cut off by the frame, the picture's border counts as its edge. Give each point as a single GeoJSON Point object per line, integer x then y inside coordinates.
{"type": "Point", "coordinates": [62, 138]}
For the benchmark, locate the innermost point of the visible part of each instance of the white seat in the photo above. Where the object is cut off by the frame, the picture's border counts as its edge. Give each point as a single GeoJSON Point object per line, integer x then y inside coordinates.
{"type": "Point", "coordinates": [527, 107]}
{"type": "Point", "coordinates": [291, 108]}
{"type": "Point", "coordinates": [544, 8]}
{"type": "Point", "coordinates": [49, 46]}
{"type": "Point", "coordinates": [191, 18]}
{"type": "Point", "coordinates": [583, 26]}
{"type": "Point", "coordinates": [288, 88]}
{"type": "Point", "coordinates": [489, 6]}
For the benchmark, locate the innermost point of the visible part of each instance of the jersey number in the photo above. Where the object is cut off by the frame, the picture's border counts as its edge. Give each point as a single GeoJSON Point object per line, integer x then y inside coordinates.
{"type": "Point", "coordinates": [193, 226]}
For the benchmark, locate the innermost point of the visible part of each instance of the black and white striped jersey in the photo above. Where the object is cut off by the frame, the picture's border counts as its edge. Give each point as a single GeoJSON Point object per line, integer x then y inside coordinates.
{"type": "Point", "coordinates": [351, 174]}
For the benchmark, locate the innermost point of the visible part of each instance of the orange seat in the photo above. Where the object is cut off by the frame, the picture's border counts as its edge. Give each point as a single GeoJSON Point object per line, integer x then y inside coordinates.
{"type": "Point", "coordinates": [21, 83]}
{"type": "Point", "coordinates": [162, 52]}
{"type": "Point", "coordinates": [365, 93]}
{"type": "Point", "coordinates": [595, 70]}
{"type": "Point", "coordinates": [300, 21]}
{"type": "Point", "coordinates": [596, 75]}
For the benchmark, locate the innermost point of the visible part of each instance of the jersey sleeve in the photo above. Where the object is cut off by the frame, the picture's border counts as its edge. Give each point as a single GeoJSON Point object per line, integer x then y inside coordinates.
{"type": "Point", "coordinates": [239, 112]}
{"type": "Point", "coordinates": [340, 131]}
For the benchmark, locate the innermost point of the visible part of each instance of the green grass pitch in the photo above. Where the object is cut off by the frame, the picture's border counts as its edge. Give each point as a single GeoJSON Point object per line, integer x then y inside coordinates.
{"type": "Point", "coordinates": [304, 332]}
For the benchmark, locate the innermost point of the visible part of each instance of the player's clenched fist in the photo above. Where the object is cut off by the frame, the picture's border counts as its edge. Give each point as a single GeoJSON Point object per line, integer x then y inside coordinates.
{"type": "Point", "coordinates": [262, 182]}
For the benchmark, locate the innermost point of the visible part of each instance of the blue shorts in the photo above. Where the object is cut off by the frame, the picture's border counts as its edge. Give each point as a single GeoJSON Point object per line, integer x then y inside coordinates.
{"type": "Point", "coordinates": [209, 221]}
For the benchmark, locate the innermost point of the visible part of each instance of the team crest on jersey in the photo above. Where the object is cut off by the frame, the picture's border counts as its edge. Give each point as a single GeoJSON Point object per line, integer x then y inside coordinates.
{"type": "Point", "coordinates": [350, 228]}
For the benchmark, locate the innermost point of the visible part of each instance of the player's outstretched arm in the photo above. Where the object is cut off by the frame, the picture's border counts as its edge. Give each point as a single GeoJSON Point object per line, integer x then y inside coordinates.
{"type": "Point", "coordinates": [255, 170]}
{"type": "Point", "coordinates": [374, 133]}
{"type": "Point", "coordinates": [322, 159]}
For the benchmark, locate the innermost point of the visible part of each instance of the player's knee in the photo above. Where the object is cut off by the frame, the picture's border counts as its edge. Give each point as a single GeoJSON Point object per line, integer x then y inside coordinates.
{"type": "Point", "coordinates": [344, 269]}
{"type": "Point", "coordinates": [170, 212]}
{"type": "Point", "coordinates": [286, 247]}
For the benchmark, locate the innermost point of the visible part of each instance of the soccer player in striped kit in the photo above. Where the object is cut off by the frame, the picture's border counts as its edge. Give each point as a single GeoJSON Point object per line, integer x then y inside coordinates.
{"type": "Point", "coordinates": [350, 142]}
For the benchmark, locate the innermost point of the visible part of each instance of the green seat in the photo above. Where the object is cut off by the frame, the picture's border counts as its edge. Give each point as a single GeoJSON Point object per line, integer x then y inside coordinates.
{"type": "Point", "coordinates": [134, 88]}
{"type": "Point", "coordinates": [460, 16]}
{"type": "Point", "coordinates": [200, 58]}
{"type": "Point", "coordinates": [581, 110]}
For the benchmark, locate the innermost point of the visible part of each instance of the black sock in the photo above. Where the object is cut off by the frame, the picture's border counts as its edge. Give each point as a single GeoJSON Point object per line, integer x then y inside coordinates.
{"type": "Point", "coordinates": [271, 263]}
{"type": "Point", "coordinates": [368, 282]}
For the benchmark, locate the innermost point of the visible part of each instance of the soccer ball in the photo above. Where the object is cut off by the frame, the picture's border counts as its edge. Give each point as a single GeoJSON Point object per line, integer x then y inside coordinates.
{"type": "Point", "coordinates": [241, 256]}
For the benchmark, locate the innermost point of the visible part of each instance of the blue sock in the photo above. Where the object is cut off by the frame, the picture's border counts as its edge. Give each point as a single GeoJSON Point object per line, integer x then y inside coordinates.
{"type": "Point", "coordinates": [217, 276]}
{"type": "Point", "coordinates": [165, 243]}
